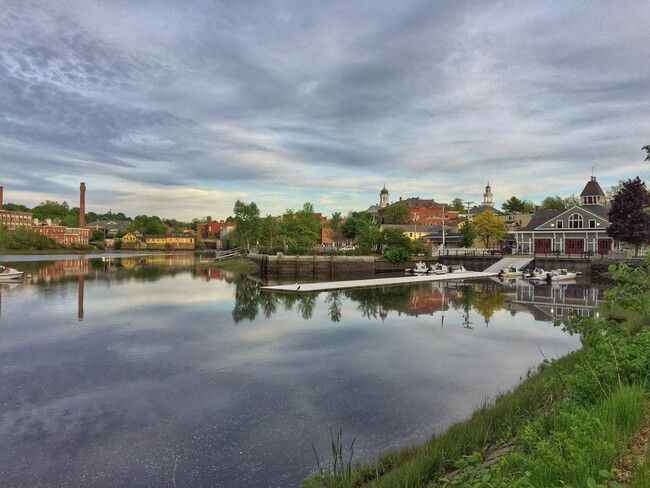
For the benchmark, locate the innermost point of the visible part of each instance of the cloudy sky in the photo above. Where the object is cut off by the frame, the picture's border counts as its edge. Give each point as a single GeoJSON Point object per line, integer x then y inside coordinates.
{"type": "Point", "coordinates": [179, 108]}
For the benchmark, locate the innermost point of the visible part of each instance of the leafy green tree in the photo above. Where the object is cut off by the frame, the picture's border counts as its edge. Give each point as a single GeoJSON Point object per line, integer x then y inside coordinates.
{"type": "Point", "coordinates": [50, 210]}
{"type": "Point", "coordinates": [488, 227]}
{"type": "Point", "coordinates": [396, 238]}
{"type": "Point", "coordinates": [514, 204]}
{"type": "Point", "coordinates": [13, 207]}
{"type": "Point", "coordinates": [335, 227]}
{"type": "Point", "coordinates": [301, 230]}
{"type": "Point", "coordinates": [270, 234]}
{"type": "Point", "coordinates": [629, 222]}
{"type": "Point", "coordinates": [356, 221]}
{"type": "Point", "coordinates": [97, 235]}
{"type": "Point", "coordinates": [467, 234]}
{"type": "Point", "coordinates": [369, 238]}
{"type": "Point", "coordinates": [147, 225]}
{"type": "Point", "coordinates": [247, 218]}
{"type": "Point", "coordinates": [554, 203]}
{"type": "Point", "coordinates": [457, 205]}
{"type": "Point", "coordinates": [397, 213]}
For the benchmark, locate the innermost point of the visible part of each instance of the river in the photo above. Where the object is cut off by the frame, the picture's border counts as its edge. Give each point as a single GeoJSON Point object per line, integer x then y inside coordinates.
{"type": "Point", "coordinates": [151, 371]}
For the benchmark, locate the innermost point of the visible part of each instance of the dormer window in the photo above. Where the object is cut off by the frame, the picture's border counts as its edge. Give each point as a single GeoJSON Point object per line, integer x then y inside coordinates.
{"type": "Point", "coordinates": [559, 224]}
{"type": "Point", "coordinates": [575, 221]}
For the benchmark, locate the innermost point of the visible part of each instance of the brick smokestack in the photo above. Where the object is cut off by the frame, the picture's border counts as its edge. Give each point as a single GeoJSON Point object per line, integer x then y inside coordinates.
{"type": "Point", "coordinates": [82, 205]}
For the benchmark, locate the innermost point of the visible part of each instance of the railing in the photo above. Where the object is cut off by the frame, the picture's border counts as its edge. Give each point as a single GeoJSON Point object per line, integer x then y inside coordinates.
{"type": "Point", "coordinates": [220, 255]}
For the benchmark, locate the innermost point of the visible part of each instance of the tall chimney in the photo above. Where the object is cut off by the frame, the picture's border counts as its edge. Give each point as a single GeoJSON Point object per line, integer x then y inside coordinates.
{"type": "Point", "coordinates": [82, 205]}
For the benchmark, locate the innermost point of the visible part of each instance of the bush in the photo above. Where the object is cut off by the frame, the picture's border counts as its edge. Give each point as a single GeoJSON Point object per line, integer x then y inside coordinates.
{"type": "Point", "coordinates": [397, 255]}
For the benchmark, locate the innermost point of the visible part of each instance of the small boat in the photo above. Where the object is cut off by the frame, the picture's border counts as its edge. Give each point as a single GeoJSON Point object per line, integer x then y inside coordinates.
{"type": "Point", "coordinates": [418, 268]}
{"type": "Point", "coordinates": [438, 268]}
{"type": "Point", "coordinates": [10, 274]}
{"type": "Point", "coordinates": [561, 275]}
{"type": "Point", "coordinates": [535, 274]}
{"type": "Point", "coordinates": [457, 268]}
{"type": "Point", "coordinates": [509, 271]}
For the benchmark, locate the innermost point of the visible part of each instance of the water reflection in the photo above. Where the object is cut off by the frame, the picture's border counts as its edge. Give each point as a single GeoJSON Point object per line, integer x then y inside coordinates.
{"type": "Point", "coordinates": [179, 369]}
{"type": "Point", "coordinates": [544, 301]}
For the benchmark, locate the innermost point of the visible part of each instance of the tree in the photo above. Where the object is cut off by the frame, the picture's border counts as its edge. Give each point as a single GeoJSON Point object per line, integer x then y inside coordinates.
{"type": "Point", "coordinates": [629, 222]}
{"type": "Point", "coordinates": [554, 203]}
{"type": "Point", "coordinates": [247, 218]}
{"type": "Point", "coordinates": [513, 204]}
{"type": "Point", "coordinates": [50, 210]}
{"type": "Point", "coordinates": [396, 238]}
{"type": "Point", "coordinates": [489, 227]}
{"type": "Point", "coordinates": [335, 229]}
{"type": "Point", "coordinates": [355, 221]}
{"type": "Point", "coordinates": [647, 149]}
{"type": "Point", "coordinates": [13, 207]}
{"type": "Point", "coordinates": [467, 234]}
{"type": "Point", "coordinates": [148, 225]}
{"type": "Point", "coordinates": [270, 231]}
{"type": "Point", "coordinates": [572, 201]}
{"type": "Point", "coordinates": [457, 205]}
{"type": "Point", "coordinates": [397, 213]}
{"type": "Point", "coordinates": [300, 230]}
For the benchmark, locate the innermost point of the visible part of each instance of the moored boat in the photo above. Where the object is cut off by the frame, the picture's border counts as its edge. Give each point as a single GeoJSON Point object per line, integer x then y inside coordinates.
{"type": "Point", "coordinates": [561, 275]}
{"type": "Point", "coordinates": [509, 272]}
{"type": "Point", "coordinates": [10, 274]}
{"type": "Point", "coordinates": [439, 268]}
{"type": "Point", "coordinates": [418, 268]}
{"type": "Point", "coordinates": [535, 274]}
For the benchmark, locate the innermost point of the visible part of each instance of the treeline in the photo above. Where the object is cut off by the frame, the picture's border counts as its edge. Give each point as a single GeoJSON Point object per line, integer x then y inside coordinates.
{"type": "Point", "coordinates": [299, 232]}
{"type": "Point", "coordinates": [69, 217]}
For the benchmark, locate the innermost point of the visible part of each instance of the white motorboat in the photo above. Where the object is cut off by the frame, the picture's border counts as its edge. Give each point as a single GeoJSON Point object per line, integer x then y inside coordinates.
{"type": "Point", "coordinates": [418, 268]}
{"type": "Point", "coordinates": [457, 268]}
{"type": "Point", "coordinates": [509, 272]}
{"type": "Point", "coordinates": [561, 275]}
{"type": "Point", "coordinates": [438, 268]}
{"type": "Point", "coordinates": [10, 274]}
{"type": "Point", "coordinates": [536, 274]}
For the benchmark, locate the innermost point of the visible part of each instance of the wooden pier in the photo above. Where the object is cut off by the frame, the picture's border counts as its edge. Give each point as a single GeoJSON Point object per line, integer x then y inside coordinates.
{"type": "Point", "coordinates": [374, 282]}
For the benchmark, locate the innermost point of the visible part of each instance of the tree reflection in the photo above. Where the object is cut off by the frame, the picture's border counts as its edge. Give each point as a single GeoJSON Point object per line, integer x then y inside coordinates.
{"type": "Point", "coordinates": [334, 300]}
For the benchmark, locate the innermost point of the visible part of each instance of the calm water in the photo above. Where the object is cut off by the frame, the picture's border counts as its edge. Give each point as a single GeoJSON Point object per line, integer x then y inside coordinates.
{"type": "Point", "coordinates": [148, 371]}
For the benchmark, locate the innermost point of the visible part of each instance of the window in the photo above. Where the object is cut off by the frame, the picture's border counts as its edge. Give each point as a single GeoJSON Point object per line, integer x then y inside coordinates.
{"type": "Point", "coordinates": [592, 224]}
{"type": "Point", "coordinates": [575, 221]}
{"type": "Point", "coordinates": [559, 224]}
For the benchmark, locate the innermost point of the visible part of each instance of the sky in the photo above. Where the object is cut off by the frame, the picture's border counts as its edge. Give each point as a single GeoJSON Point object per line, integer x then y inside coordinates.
{"type": "Point", "coordinates": [180, 108]}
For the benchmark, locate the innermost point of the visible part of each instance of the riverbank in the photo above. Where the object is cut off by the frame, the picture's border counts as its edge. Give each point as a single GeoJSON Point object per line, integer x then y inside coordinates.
{"type": "Point", "coordinates": [570, 424]}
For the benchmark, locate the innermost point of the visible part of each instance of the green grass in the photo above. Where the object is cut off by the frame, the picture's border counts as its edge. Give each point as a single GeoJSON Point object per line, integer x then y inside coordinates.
{"type": "Point", "coordinates": [239, 266]}
{"type": "Point", "coordinates": [492, 425]}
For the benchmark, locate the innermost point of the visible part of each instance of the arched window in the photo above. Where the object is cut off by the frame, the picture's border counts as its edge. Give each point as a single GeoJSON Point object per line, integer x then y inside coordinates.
{"type": "Point", "coordinates": [575, 221]}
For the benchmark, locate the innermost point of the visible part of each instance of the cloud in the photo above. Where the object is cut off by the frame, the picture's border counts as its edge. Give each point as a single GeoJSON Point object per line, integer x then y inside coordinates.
{"type": "Point", "coordinates": [303, 100]}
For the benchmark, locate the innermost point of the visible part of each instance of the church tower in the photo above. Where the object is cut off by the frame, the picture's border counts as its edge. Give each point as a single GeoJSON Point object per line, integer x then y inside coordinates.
{"type": "Point", "coordinates": [383, 197]}
{"type": "Point", "coordinates": [488, 199]}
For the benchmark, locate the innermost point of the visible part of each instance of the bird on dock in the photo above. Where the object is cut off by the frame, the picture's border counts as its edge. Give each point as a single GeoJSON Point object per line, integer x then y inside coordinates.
{"type": "Point", "coordinates": [297, 287]}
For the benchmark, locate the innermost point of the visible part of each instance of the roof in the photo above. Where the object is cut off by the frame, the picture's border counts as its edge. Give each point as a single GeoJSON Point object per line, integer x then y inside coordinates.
{"type": "Point", "coordinates": [540, 218]}
{"type": "Point", "coordinates": [484, 208]}
{"type": "Point", "coordinates": [599, 210]}
{"type": "Point", "coordinates": [592, 188]}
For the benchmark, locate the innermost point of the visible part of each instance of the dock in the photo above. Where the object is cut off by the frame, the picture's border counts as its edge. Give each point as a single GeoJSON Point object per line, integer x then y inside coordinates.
{"type": "Point", "coordinates": [375, 282]}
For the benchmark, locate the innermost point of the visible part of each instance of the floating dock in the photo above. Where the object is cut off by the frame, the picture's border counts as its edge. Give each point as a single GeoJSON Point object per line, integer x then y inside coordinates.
{"type": "Point", "coordinates": [375, 282]}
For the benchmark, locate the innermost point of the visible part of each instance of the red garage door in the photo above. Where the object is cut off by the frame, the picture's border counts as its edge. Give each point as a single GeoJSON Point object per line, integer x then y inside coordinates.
{"type": "Point", "coordinates": [542, 246]}
{"type": "Point", "coordinates": [574, 246]}
{"type": "Point", "coordinates": [604, 246]}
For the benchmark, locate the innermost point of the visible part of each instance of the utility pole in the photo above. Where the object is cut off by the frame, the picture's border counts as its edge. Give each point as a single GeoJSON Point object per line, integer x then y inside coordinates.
{"type": "Point", "coordinates": [468, 204]}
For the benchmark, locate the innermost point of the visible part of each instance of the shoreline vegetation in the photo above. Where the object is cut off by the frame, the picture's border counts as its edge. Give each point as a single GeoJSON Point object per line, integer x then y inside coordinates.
{"type": "Point", "coordinates": [579, 421]}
